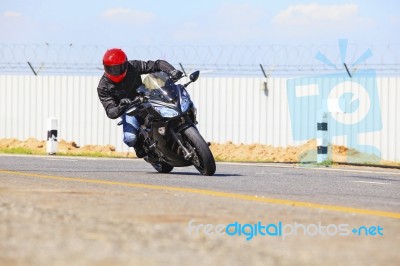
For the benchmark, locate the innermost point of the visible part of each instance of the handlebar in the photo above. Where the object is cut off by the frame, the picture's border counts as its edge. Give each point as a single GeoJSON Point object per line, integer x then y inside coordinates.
{"type": "Point", "coordinates": [133, 108]}
{"type": "Point", "coordinates": [136, 101]}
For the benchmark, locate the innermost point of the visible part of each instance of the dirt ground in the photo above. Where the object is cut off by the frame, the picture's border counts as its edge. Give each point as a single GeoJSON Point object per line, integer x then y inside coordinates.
{"type": "Point", "coordinates": [222, 152]}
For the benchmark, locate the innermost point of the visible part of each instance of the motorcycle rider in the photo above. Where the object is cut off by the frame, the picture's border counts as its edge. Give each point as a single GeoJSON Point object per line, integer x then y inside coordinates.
{"type": "Point", "coordinates": [117, 89]}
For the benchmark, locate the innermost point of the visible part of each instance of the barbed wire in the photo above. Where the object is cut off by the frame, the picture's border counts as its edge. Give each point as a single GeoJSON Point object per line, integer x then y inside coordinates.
{"type": "Point", "coordinates": [212, 60]}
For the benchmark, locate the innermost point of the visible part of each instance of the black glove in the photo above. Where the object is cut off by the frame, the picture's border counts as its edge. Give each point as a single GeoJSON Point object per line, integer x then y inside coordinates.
{"type": "Point", "coordinates": [176, 74]}
{"type": "Point", "coordinates": [125, 102]}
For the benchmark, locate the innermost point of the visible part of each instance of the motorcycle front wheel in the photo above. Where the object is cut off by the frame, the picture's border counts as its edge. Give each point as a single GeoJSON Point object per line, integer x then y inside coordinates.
{"type": "Point", "coordinates": [202, 158]}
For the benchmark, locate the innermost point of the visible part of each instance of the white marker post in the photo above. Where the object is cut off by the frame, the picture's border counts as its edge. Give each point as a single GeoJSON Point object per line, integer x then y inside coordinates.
{"type": "Point", "coordinates": [322, 138]}
{"type": "Point", "coordinates": [52, 145]}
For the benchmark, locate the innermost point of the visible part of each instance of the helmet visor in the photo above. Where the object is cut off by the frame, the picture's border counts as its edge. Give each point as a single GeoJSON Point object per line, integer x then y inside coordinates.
{"type": "Point", "coordinates": [116, 70]}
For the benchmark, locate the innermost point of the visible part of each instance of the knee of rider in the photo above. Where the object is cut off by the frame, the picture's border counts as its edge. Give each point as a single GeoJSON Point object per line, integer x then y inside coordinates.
{"type": "Point", "coordinates": [130, 139]}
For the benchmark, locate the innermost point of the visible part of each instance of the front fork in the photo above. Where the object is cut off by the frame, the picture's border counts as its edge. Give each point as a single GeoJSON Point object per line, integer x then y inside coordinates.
{"type": "Point", "coordinates": [178, 138]}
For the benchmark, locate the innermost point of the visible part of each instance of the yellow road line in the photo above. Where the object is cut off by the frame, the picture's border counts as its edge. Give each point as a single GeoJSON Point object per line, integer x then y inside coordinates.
{"type": "Point", "coordinates": [218, 194]}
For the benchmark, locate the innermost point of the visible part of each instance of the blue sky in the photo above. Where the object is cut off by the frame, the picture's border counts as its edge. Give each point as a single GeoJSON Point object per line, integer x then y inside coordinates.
{"type": "Point", "coordinates": [217, 22]}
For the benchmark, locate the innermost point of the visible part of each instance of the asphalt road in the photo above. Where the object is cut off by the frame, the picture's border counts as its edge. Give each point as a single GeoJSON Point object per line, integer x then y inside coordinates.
{"type": "Point", "coordinates": [95, 196]}
{"type": "Point", "coordinates": [371, 188]}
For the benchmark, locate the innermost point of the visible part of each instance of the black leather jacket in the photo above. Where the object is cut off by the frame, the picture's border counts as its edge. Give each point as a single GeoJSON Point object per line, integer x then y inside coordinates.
{"type": "Point", "coordinates": [111, 93]}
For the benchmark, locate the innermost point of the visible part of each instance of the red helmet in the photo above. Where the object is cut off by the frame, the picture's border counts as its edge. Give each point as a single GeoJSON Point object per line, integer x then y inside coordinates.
{"type": "Point", "coordinates": [115, 64]}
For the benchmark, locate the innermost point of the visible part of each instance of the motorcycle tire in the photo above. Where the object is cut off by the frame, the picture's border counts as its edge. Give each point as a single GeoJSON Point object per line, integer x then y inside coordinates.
{"type": "Point", "coordinates": [203, 159]}
{"type": "Point", "coordinates": [162, 167]}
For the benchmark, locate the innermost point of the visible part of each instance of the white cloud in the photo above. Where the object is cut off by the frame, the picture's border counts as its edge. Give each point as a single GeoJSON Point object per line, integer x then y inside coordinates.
{"type": "Point", "coordinates": [11, 14]}
{"type": "Point", "coordinates": [16, 27]}
{"type": "Point", "coordinates": [128, 15]}
{"type": "Point", "coordinates": [314, 12]}
{"type": "Point", "coordinates": [343, 17]}
{"type": "Point", "coordinates": [228, 23]}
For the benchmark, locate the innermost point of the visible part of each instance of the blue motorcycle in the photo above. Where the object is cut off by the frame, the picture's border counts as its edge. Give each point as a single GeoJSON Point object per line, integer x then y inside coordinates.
{"type": "Point", "coordinates": [168, 130]}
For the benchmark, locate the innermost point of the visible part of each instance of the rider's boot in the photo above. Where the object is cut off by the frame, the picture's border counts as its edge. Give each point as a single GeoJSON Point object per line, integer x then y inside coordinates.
{"type": "Point", "coordinates": [139, 150]}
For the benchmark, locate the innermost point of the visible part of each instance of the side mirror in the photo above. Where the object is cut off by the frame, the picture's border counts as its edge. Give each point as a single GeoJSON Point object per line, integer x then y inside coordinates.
{"type": "Point", "coordinates": [194, 76]}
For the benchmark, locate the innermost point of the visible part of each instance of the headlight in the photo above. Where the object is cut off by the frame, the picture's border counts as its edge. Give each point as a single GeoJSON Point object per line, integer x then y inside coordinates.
{"type": "Point", "coordinates": [166, 112]}
{"type": "Point", "coordinates": [185, 102]}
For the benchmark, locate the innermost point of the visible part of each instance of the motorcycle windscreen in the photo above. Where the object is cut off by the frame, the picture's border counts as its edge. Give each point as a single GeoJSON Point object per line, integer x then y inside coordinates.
{"type": "Point", "coordinates": [161, 83]}
{"type": "Point", "coordinates": [155, 81]}
{"type": "Point", "coordinates": [170, 91]}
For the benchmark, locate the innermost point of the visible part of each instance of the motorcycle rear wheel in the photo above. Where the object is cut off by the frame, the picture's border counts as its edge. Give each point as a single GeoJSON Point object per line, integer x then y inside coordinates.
{"type": "Point", "coordinates": [162, 167]}
{"type": "Point", "coordinates": [203, 159]}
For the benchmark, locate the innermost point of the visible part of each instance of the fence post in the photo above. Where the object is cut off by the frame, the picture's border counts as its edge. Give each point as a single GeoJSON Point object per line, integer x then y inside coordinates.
{"type": "Point", "coordinates": [322, 138]}
{"type": "Point", "coordinates": [52, 145]}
